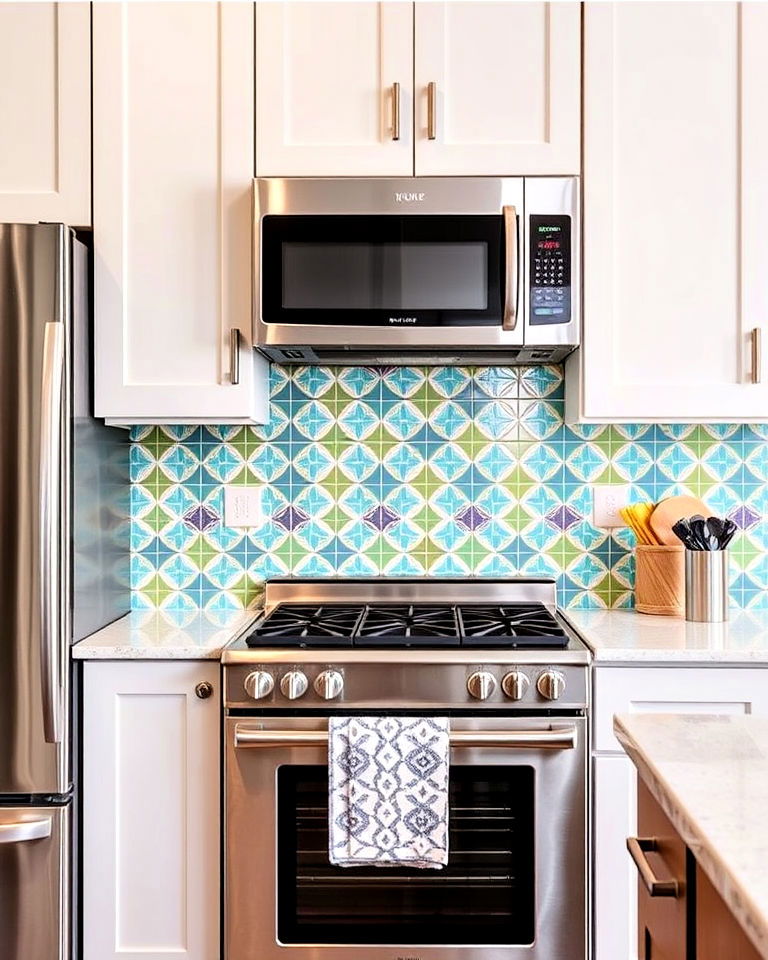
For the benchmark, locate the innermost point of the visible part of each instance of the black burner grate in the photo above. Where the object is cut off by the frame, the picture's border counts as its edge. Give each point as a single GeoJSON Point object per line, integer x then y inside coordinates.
{"type": "Point", "coordinates": [529, 625]}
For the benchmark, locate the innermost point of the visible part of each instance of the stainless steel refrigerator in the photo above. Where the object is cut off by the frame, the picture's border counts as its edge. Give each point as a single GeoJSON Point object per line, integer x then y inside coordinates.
{"type": "Point", "coordinates": [63, 487]}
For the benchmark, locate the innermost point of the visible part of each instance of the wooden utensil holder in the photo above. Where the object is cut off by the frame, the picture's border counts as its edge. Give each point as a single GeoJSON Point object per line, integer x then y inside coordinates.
{"type": "Point", "coordinates": [660, 580]}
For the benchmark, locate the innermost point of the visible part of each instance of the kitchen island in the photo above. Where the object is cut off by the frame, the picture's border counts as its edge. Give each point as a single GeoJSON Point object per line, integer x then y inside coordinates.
{"type": "Point", "coordinates": [704, 785]}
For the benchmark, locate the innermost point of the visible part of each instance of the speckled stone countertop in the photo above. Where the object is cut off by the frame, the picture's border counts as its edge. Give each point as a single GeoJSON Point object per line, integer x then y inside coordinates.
{"type": "Point", "coordinates": [710, 776]}
{"type": "Point", "coordinates": [159, 635]}
{"type": "Point", "coordinates": [616, 636]}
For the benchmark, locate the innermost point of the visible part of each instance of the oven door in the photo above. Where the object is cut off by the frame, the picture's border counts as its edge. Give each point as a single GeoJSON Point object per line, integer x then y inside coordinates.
{"type": "Point", "coordinates": [515, 884]}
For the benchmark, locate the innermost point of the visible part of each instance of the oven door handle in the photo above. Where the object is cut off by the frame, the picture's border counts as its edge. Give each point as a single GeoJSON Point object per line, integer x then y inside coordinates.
{"type": "Point", "coordinates": [563, 738]}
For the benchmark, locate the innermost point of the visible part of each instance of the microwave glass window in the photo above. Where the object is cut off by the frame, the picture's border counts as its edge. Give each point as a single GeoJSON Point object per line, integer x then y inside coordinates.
{"type": "Point", "coordinates": [385, 276]}
{"type": "Point", "coordinates": [424, 270]}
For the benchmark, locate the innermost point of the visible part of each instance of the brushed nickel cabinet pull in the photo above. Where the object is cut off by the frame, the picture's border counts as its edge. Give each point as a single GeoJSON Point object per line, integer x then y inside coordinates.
{"type": "Point", "coordinates": [395, 111]}
{"type": "Point", "coordinates": [509, 320]}
{"type": "Point", "coordinates": [431, 110]}
{"type": "Point", "coordinates": [234, 356]}
{"type": "Point", "coordinates": [757, 354]}
{"type": "Point", "coordinates": [638, 847]}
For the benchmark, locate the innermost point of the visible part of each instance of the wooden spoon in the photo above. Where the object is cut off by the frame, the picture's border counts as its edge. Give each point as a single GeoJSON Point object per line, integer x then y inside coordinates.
{"type": "Point", "coordinates": [669, 511]}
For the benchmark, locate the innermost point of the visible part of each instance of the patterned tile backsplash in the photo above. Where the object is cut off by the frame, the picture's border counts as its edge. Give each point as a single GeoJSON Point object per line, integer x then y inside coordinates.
{"type": "Point", "coordinates": [443, 471]}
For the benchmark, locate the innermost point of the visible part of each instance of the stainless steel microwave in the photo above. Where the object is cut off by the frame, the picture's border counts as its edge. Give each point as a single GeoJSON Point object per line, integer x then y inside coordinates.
{"type": "Point", "coordinates": [420, 270]}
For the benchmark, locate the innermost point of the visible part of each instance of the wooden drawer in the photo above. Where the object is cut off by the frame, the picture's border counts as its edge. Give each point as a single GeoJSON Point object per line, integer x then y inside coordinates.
{"type": "Point", "coordinates": [727, 690]}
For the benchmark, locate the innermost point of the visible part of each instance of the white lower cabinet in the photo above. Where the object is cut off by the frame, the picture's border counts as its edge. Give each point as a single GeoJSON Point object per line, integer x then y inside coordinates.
{"type": "Point", "coordinates": [711, 689]}
{"type": "Point", "coordinates": [151, 827]}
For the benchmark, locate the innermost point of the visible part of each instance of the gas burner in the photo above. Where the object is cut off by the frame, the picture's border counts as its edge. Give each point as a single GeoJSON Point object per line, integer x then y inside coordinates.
{"type": "Point", "coordinates": [529, 625]}
{"type": "Point", "coordinates": [308, 625]}
{"type": "Point", "coordinates": [510, 625]}
{"type": "Point", "coordinates": [409, 625]}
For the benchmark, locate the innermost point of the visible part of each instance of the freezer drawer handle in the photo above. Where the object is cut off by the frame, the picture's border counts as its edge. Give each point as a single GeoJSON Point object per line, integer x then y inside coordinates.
{"type": "Point", "coordinates": [50, 527]}
{"type": "Point", "coordinates": [561, 739]}
{"type": "Point", "coordinates": [638, 847]}
{"type": "Point", "coordinates": [23, 830]}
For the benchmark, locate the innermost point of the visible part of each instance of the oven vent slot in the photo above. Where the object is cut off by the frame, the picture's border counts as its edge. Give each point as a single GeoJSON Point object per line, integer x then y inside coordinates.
{"type": "Point", "coordinates": [429, 356]}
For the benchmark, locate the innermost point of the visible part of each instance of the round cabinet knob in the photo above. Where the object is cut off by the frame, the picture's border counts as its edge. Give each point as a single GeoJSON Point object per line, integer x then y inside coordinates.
{"type": "Point", "coordinates": [515, 684]}
{"type": "Point", "coordinates": [259, 684]}
{"type": "Point", "coordinates": [551, 684]}
{"type": "Point", "coordinates": [294, 684]}
{"type": "Point", "coordinates": [204, 689]}
{"type": "Point", "coordinates": [329, 684]}
{"type": "Point", "coordinates": [481, 685]}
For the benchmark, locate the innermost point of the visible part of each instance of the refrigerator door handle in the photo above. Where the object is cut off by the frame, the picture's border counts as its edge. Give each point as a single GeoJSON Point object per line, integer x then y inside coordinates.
{"type": "Point", "coordinates": [22, 830]}
{"type": "Point", "coordinates": [50, 527]}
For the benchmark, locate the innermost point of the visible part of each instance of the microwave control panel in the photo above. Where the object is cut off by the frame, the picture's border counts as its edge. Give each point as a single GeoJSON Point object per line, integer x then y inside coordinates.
{"type": "Point", "coordinates": [550, 269]}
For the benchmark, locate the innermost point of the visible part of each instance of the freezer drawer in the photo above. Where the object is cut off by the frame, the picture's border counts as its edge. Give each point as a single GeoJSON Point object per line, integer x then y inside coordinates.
{"type": "Point", "coordinates": [35, 882]}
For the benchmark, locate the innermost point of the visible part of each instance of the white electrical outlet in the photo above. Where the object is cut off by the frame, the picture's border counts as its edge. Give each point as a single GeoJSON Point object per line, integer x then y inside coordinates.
{"type": "Point", "coordinates": [607, 501]}
{"type": "Point", "coordinates": [242, 506]}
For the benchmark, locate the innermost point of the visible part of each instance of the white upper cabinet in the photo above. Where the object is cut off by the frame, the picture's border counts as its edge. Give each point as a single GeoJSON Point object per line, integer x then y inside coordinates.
{"type": "Point", "coordinates": [173, 168]}
{"type": "Point", "coordinates": [505, 88]}
{"type": "Point", "coordinates": [45, 113]}
{"type": "Point", "coordinates": [332, 78]}
{"type": "Point", "coordinates": [327, 97]}
{"type": "Point", "coordinates": [675, 207]}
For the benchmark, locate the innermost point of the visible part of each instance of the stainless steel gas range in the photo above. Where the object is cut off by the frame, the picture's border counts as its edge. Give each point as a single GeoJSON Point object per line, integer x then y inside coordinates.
{"type": "Point", "coordinates": [494, 656]}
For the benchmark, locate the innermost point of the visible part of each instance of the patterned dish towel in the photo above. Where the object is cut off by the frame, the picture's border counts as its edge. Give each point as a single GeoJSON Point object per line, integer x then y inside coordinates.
{"type": "Point", "coordinates": [388, 791]}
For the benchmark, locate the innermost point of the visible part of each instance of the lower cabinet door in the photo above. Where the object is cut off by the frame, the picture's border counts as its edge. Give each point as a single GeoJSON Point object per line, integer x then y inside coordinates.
{"type": "Point", "coordinates": [151, 876]}
{"type": "Point", "coordinates": [718, 934]}
{"type": "Point", "coordinates": [662, 912]}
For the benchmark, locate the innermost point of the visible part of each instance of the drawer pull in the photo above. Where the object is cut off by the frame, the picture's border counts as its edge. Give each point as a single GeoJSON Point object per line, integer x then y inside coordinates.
{"type": "Point", "coordinates": [21, 830]}
{"type": "Point", "coordinates": [638, 847]}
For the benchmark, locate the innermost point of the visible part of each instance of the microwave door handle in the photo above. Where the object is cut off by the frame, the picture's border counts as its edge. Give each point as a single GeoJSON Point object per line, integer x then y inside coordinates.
{"type": "Point", "coordinates": [511, 273]}
{"type": "Point", "coordinates": [564, 738]}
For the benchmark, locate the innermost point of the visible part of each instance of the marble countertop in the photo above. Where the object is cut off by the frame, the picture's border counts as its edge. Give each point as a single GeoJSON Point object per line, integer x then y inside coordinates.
{"type": "Point", "coordinates": [159, 635]}
{"type": "Point", "coordinates": [710, 776]}
{"type": "Point", "coordinates": [616, 636]}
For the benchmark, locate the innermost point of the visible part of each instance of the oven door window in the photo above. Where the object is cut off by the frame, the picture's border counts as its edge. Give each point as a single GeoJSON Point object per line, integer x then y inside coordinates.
{"type": "Point", "coordinates": [382, 271]}
{"type": "Point", "coordinates": [484, 896]}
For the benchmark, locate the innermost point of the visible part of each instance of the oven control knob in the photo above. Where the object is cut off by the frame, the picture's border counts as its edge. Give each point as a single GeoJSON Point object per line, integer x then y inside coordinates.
{"type": "Point", "coordinates": [481, 684]}
{"type": "Point", "coordinates": [515, 684]}
{"type": "Point", "coordinates": [259, 684]}
{"type": "Point", "coordinates": [329, 684]}
{"type": "Point", "coordinates": [551, 684]}
{"type": "Point", "coordinates": [294, 684]}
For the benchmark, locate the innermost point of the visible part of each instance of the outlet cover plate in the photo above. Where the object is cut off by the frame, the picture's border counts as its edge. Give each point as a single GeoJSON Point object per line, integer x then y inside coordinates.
{"type": "Point", "coordinates": [242, 506]}
{"type": "Point", "coordinates": [608, 498]}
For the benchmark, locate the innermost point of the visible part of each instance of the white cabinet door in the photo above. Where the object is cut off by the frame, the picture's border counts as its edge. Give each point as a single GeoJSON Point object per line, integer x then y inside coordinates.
{"type": "Point", "coordinates": [45, 113]}
{"type": "Point", "coordinates": [507, 83]}
{"type": "Point", "coordinates": [325, 91]}
{"type": "Point", "coordinates": [675, 206]}
{"type": "Point", "coordinates": [173, 170]}
{"type": "Point", "coordinates": [713, 689]}
{"type": "Point", "coordinates": [151, 825]}
{"type": "Point", "coordinates": [614, 904]}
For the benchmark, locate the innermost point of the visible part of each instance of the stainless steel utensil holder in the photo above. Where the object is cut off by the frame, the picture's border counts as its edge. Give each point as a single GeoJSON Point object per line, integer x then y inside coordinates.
{"type": "Point", "coordinates": [706, 585]}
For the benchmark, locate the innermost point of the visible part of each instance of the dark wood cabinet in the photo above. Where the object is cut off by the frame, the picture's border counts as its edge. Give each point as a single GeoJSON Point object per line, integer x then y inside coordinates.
{"type": "Point", "coordinates": [718, 934]}
{"type": "Point", "coordinates": [663, 888]}
{"type": "Point", "coordinates": [680, 914]}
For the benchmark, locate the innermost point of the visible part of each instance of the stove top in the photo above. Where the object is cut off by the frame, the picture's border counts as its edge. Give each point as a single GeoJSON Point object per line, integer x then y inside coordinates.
{"type": "Point", "coordinates": [430, 625]}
